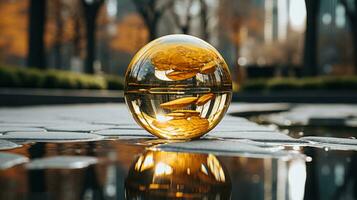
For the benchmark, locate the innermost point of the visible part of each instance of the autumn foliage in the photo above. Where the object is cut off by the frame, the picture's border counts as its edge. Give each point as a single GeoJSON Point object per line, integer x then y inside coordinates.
{"type": "Point", "coordinates": [13, 28]}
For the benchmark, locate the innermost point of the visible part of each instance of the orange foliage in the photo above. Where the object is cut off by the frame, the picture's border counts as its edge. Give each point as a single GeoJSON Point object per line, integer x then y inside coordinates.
{"type": "Point", "coordinates": [13, 27]}
{"type": "Point", "coordinates": [51, 28]}
{"type": "Point", "coordinates": [131, 34]}
{"type": "Point", "coordinates": [57, 9]}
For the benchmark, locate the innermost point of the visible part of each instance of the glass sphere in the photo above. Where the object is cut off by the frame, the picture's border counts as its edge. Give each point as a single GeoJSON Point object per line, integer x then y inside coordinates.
{"type": "Point", "coordinates": [174, 175]}
{"type": "Point", "coordinates": [178, 87]}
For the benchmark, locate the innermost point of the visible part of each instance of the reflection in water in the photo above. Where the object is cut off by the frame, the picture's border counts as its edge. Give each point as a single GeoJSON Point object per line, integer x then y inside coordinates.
{"type": "Point", "coordinates": [166, 175]}
{"type": "Point", "coordinates": [296, 179]}
{"type": "Point", "coordinates": [163, 175]}
{"type": "Point", "coordinates": [331, 175]}
{"type": "Point", "coordinates": [266, 178]}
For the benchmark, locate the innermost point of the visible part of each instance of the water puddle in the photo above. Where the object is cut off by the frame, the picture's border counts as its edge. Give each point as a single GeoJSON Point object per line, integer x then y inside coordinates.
{"type": "Point", "coordinates": [147, 169]}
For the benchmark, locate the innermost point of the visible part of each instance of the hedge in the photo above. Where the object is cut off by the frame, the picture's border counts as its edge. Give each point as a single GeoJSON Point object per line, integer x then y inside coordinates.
{"type": "Point", "coordinates": [34, 78]}
{"type": "Point", "coordinates": [310, 83]}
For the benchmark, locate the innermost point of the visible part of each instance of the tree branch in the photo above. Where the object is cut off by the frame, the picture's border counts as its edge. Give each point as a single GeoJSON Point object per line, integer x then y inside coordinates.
{"type": "Point", "coordinates": [176, 17]}
{"type": "Point", "coordinates": [162, 10]}
{"type": "Point", "coordinates": [188, 14]}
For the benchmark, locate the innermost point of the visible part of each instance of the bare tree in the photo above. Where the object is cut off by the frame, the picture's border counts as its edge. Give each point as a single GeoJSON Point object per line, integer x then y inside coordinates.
{"type": "Point", "coordinates": [151, 12]}
{"type": "Point", "coordinates": [183, 25]}
{"type": "Point", "coordinates": [36, 48]}
{"type": "Point", "coordinates": [204, 20]}
{"type": "Point", "coordinates": [77, 35]}
{"type": "Point", "coordinates": [310, 51]}
{"type": "Point", "coordinates": [58, 33]}
{"type": "Point", "coordinates": [351, 13]}
{"type": "Point", "coordinates": [183, 20]}
{"type": "Point", "coordinates": [91, 9]}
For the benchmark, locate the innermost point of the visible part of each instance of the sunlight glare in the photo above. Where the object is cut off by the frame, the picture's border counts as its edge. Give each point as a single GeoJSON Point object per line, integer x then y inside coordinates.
{"type": "Point", "coordinates": [163, 118]}
{"type": "Point", "coordinates": [163, 169]}
{"type": "Point", "coordinates": [148, 162]}
{"type": "Point", "coordinates": [297, 179]}
{"type": "Point", "coordinates": [297, 14]}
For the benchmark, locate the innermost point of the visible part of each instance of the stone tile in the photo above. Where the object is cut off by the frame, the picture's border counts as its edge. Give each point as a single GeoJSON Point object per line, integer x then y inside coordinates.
{"type": "Point", "coordinates": [6, 129]}
{"type": "Point", "coordinates": [225, 148]}
{"type": "Point", "coordinates": [332, 143]}
{"type": "Point", "coordinates": [6, 145]}
{"type": "Point", "coordinates": [37, 124]}
{"type": "Point", "coordinates": [256, 136]}
{"type": "Point", "coordinates": [237, 127]}
{"type": "Point", "coordinates": [25, 125]}
{"type": "Point", "coordinates": [8, 160]}
{"type": "Point", "coordinates": [332, 140]}
{"type": "Point", "coordinates": [244, 108]}
{"type": "Point", "coordinates": [123, 132]}
{"type": "Point", "coordinates": [128, 126]}
{"type": "Point", "coordinates": [307, 114]}
{"type": "Point", "coordinates": [62, 162]}
{"type": "Point", "coordinates": [276, 143]}
{"type": "Point", "coordinates": [78, 127]}
{"type": "Point", "coordinates": [51, 136]}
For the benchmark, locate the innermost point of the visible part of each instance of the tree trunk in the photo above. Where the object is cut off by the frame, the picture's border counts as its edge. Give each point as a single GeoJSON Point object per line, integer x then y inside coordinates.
{"type": "Point", "coordinates": [204, 20]}
{"type": "Point", "coordinates": [91, 13]}
{"type": "Point", "coordinates": [354, 39]}
{"type": "Point", "coordinates": [310, 51]}
{"type": "Point", "coordinates": [36, 47]}
{"type": "Point", "coordinates": [351, 14]}
{"type": "Point", "coordinates": [152, 26]}
{"type": "Point", "coordinates": [90, 28]}
{"type": "Point", "coordinates": [58, 35]}
{"type": "Point", "coordinates": [185, 29]}
{"type": "Point", "coordinates": [77, 36]}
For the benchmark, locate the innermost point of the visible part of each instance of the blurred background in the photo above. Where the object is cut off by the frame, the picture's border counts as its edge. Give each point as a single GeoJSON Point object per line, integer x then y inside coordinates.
{"type": "Point", "coordinates": [266, 43]}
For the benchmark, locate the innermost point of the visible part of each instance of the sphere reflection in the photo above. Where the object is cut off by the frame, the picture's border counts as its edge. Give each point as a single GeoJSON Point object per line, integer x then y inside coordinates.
{"type": "Point", "coordinates": [172, 175]}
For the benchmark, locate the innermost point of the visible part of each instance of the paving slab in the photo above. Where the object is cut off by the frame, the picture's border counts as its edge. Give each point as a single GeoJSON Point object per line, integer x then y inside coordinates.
{"type": "Point", "coordinates": [332, 143]}
{"type": "Point", "coordinates": [237, 127]}
{"type": "Point", "coordinates": [6, 145]}
{"type": "Point", "coordinates": [114, 120]}
{"type": "Point", "coordinates": [51, 136]}
{"type": "Point", "coordinates": [248, 109]}
{"type": "Point", "coordinates": [25, 125]}
{"type": "Point", "coordinates": [124, 132]}
{"type": "Point", "coordinates": [6, 129]}
{"type": "Point", "coordinates": [258, 136]}
{"type": "Point", "coordinates": [78, 127]}
{"type": "Point", "coordinates": [62, 162]}
{"type": "Point", "coordinates": [315, 115]}
{"type": "Point", "coordinates": [225, 148]}
{"type": "Point", "coordinates": [8, 160]}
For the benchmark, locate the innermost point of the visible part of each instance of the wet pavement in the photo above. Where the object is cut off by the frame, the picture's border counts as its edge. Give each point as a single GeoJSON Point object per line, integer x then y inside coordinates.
{"type": "Point", "coordinates": [98, 152]}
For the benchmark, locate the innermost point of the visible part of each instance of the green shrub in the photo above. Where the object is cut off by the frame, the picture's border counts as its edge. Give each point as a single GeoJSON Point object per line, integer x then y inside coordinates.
{"type": "Point", "coordinates": [340, 82]}
{"type": "Point", "coordinates": [30, 78]}
{"type": "Point", "coordinates": [34, 78]}
{"type": "Point", "coordinates": [282, 84]}
{"type": "Point", "coordinates": [114, 82]}
{"type": "Point", "coordinates": [310, 83]}
{"type": "Point", "coordinates": [255, 84]}
{"type": "Point", "coordinates": [95, 82]}
{"type": "Point", "coordinates": [8, 78]}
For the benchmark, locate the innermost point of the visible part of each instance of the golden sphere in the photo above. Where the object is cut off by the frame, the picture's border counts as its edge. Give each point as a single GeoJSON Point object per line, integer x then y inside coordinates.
{"type": "Point", "coordinates": [178, 87]}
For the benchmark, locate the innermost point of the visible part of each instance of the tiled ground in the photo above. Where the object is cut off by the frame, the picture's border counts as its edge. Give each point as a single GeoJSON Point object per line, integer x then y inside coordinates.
{"type": "Point", "coordinates": [233, 136]}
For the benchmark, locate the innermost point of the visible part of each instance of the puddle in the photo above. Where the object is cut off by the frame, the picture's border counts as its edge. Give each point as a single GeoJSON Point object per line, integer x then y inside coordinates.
{"type": "Point", "coordinates": [127, 169]}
